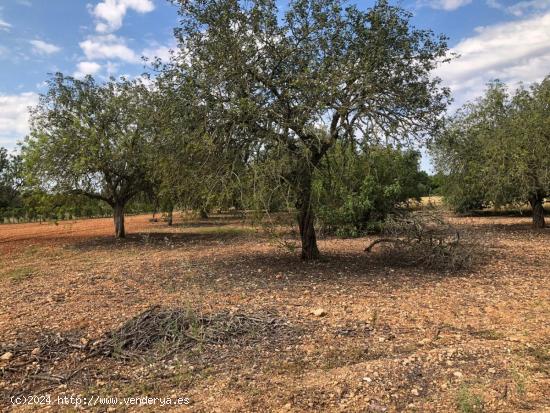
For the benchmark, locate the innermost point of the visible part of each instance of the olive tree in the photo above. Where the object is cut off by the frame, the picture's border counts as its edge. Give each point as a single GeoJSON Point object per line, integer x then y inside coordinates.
{"type": "Point", "coordinates": [91, 139]}
{"type": "Point", "coordinates": [10, 180]}
{"type": "Point", "coordinates": [303, 78]}
{"type": "Point", "coordinates": [494, 151]}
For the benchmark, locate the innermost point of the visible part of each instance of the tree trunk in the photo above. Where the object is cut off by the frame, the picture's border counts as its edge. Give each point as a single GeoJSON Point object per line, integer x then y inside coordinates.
{"type": "Point", "coordinates": [307, 234]}
{"type": "Point", "coordinates": [203, 213]}
{"type": "Point", "coordinates": [537, 203]}
{"type": "Point", "coordinates": [306, 219]}
{"type": "Point", "coordinates": [119, 221]}
{"type": "Point", "coordinates": [170, 216]}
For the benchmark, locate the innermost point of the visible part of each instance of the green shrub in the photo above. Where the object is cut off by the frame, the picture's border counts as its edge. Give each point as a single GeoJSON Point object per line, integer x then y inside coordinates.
{"type": "Point", "coordinates": [356, 189]}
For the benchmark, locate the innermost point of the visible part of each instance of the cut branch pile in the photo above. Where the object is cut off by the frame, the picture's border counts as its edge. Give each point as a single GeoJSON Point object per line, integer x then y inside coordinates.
{"type": "Point", "coordinates": [165, 331]}
{"type": "Point", "coordinates": [423, 238]}
{"type": "Point", "coordinates": [156, 333]}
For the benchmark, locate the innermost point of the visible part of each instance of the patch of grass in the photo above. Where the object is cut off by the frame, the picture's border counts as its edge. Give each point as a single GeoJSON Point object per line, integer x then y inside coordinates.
{"type": "Point", "coordinates": [488, 334]}
{"type": "Point", "coordinates": [541, 355]}
{"type": "Point", "coordinates": [21, 273]}
{"type": "Point", "coordinates": [31, 251]}
{"type": "Point", "coordinates": [182, 377]}
{"type": "Point", "coordinates": [469, 402]}
{"type": "Point", "coordinates": [374, 318]}
{"type": "Point", "coordinates": [224, 230]}
{"type": "Point", "coordinates": [519, 381]}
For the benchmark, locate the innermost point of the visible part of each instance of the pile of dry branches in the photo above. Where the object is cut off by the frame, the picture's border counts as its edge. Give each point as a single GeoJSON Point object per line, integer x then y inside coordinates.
{"type": "Point", "coordinates": [156, 333]}
{"type": "Point", "coordinates": [423, 238]}
{"type": "Point", "coordinates": [164, 331]}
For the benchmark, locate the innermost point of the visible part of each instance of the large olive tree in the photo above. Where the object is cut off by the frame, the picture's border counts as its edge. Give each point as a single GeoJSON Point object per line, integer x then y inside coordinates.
{"type": "Point", "coordinates": [302, 78]}
{"type": "Point", "coordinates": [91, 139]}
{"type": "Point", "coordinates": [494, 151]}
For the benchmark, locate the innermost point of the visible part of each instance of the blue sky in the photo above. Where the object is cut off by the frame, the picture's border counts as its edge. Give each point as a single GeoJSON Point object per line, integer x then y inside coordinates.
{"type": "Point", "coordinates": [509, 40]}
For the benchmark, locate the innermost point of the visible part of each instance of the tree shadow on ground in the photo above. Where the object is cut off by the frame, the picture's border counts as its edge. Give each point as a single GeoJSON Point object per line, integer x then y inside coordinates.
{"type": "Point", "coordinates": [164, 239]}
{"type": "Point", "coordinates": [502, 226]}
{"type": "Point", "coordinates": [514, 212]}
{"type": "Point", "coordinates": [276, 270]}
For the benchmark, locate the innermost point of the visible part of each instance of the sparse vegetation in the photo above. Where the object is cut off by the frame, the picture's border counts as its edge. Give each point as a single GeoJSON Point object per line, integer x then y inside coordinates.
{"type": "Point", "coordinates": [469, 402]}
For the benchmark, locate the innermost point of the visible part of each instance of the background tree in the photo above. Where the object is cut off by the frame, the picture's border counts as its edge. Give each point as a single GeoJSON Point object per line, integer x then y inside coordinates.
{"type": "Point", "coordinates": [10, 179]}
{"type": "Point", "coordinates": [323, 72]}
{"type": "Point", "coordinates": [356, 189]}
{"type": "Point", "coordinates": [189, 168]}
{"type": "Point", "coordinates": [495, 151]}
{"type": "Point", "coordinates": [91, 139]}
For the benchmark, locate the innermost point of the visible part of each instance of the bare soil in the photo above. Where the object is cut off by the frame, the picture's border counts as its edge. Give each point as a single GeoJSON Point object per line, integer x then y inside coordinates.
{"type": "Point", "coordinates": [389, 337]}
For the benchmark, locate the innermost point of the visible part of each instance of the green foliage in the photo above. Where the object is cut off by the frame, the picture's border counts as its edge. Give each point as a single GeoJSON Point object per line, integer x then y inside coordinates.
{"type": "Point", "coordinates": [91, 139]}
{"type": "Point", "coordinates": [468, 402]}
{"type": "Point", "coordinates": [10, 180]}
{"type": "Point", "coordinates": [355, 191]}
{"type": "Point", "coordinates": [494, 151]}
{"type": "Point", "coordinates": [301, 79]}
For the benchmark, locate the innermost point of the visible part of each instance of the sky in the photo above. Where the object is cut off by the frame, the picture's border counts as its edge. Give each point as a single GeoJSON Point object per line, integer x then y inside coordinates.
{"type": "Point", "coordinates": [495, 39]}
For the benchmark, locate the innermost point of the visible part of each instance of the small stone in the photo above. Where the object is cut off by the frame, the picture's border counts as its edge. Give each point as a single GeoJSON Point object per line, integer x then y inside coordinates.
{"type": "Point", "coordinates": [492, 370]}
{"type": "Point", "coordinates": [376, 407]}
{"type": "Point", "coordinates": [319, 312]}
{"type": "Point", "coordinates": [35, 351]}
{"type": "Point", "coordinates": [84, 341]}
{"type": "Point", "coordinates": [458, 374]}
{"type": "Point", "coordinates": [381, 339]}
{"type": "Point", "coordinates": [7, 356]}
{"type": "Point", "coordinates": [425, 341]}
{"type": "Point", "coordinates": [414, 392]}
{"type": "Point", "coordinates": [367, 379]}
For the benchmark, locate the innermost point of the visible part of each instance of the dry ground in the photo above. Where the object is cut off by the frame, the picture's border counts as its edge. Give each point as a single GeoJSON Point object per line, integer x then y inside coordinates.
{"type": "Point", "coordinates": [394, 338]}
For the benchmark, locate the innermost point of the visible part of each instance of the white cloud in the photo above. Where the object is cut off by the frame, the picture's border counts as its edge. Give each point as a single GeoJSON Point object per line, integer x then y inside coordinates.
{"type": "Point", "coordinates": [447, 5]}
{"type": "Point", "coordinates": [521, 8]}
{"type": "Point", "coordinates": [110, 13]}
{"type": "Point", "coordinates": [4, 25]}
{"type": "Point", "coordinates": [514, 52]}
{"type": "Point", "coordinates": [44, 48]}
{"type": "Point", "coordinates": [162, 52]}
{"type": "Point", "coordinates": [112, 68]}
{"type": "Point", "coordinates": [86, 68]}
{"type": "Point", "coordinates": [108, 47]}
{"type": "Point", "coordinates": [14, 117]}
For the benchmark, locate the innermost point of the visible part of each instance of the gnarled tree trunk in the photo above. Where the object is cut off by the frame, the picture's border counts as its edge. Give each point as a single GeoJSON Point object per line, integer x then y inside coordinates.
{"type": "Point", "coordinates": [118, 210]}
{"type": "Point", "coordinates": [170, 218]}
{"type": "Point", "coordinates": [306, 220]}
{"type": "Point", "coordinates": [537, 204]}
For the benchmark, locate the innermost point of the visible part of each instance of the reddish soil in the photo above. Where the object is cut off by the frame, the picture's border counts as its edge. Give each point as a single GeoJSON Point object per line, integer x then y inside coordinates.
{"type": "Point", "coordinates": [394, 338]}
